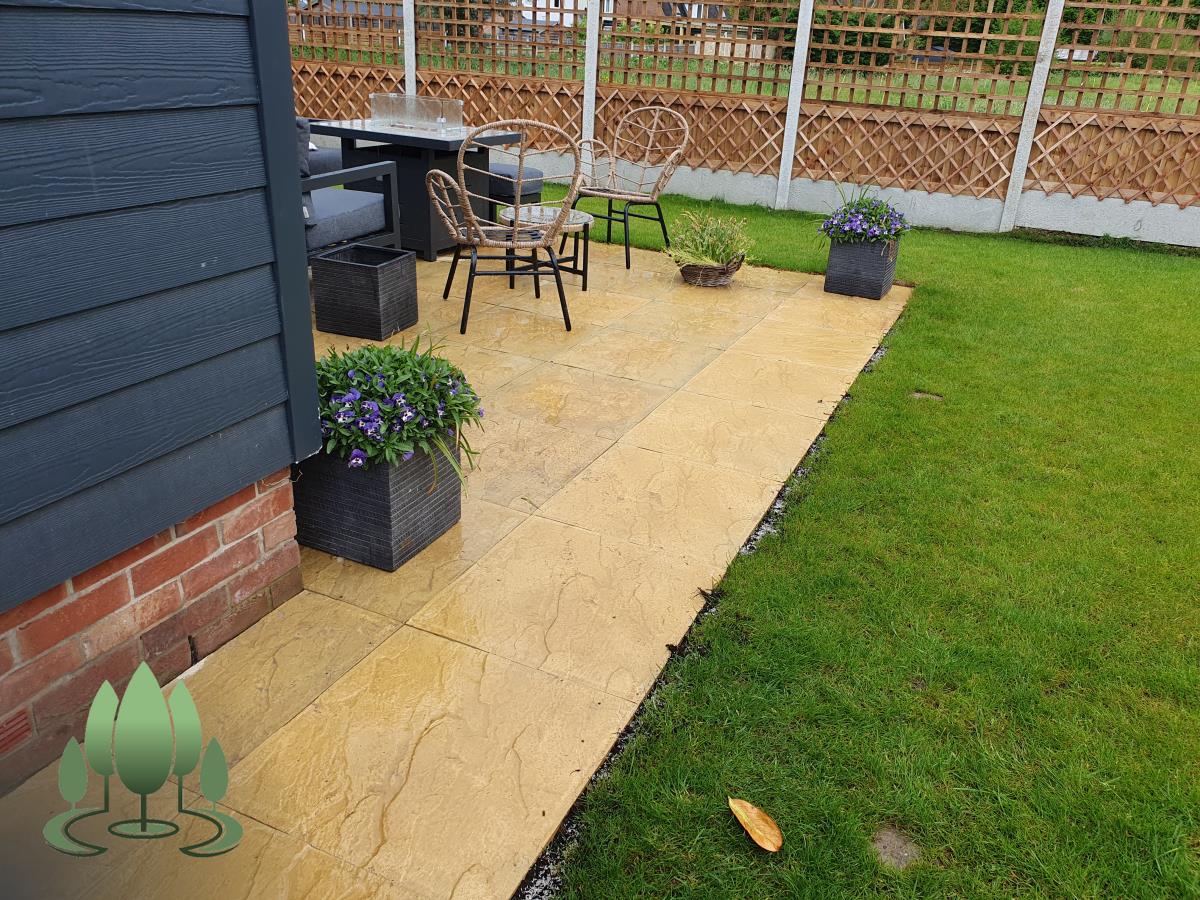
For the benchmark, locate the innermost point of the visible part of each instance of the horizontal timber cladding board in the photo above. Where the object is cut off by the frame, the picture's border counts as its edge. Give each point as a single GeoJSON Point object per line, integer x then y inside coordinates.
{"type": "Point", "coordinates": [49, 545]}
{"type": "Point", "coordinates": [130, 253]}
{"type": "Point", "coordinates": [132, 426]}
{"type": "Point", "coordinates": [71, 165]}
{"type": "Point", "coordinates": [55, 364]}
{"type": "Point", "coordinates": [133, 61]}
{"type": "Point", "coordinates": [218, 7]}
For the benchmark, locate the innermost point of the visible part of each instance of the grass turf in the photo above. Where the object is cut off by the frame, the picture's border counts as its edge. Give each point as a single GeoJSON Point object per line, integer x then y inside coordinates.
{"type": "Point", "coordinates": [979, 621]}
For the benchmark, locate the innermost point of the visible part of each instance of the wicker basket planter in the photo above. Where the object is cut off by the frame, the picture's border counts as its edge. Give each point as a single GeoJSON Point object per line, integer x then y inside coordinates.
{"type": "Point", "coordinates": [382, 515]}
{"type": "Point", "coordinates": [861, 269]}
{"type": "Point", "coordinates": [712, 276]}
{"type": "Point", "coordinates": [364, 291]}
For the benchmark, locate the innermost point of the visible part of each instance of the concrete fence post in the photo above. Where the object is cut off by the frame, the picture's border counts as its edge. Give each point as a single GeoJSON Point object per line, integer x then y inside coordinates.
{"type": "Point", "coordinates": [591, 65]}
{"type": "Point", "coordinates": [1033, 108]}
{"type": "Point", "coordinates": [410, 47]}
{"type": "Point", "coordinates": [791, 121]}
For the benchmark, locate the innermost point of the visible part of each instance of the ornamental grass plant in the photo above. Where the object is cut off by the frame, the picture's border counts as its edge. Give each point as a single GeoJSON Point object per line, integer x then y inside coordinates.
{"type": "Point", "coordinates": [702, 239]}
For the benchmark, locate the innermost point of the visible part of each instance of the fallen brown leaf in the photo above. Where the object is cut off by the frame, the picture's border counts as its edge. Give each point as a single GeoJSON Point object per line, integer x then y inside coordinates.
{"type": "Point", "coordinates": [761, 827]}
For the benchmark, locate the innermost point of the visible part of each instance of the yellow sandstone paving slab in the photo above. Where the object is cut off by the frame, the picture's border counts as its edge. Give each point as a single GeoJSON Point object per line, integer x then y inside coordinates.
{"type": "Point", "coordinates": [523, 462]}
{"type": "Point", "coordinates": [275, 668]}
{"type": "Point", "coordinates": [596, 306]}
{"type": "Point", "coordinates": [583, 401]}
{"type": "Point", "coordinates": [31, 870]}
{"type": "Point", "coordinates": [434, 765]}
{"type": "Point", "coordinates": [267, 865]}
{"type": "Point", "coordinates": [707, 326]}
{"type": "Point", "coordinates": [665, 503]}
{"type": "Point", "coordinates": [636, 282]}
{"type": "Point", "coordinates": [514, 330]}
{"type": "Point", "coordinates": [742, 299]}
{"type": "Point", "coordinates": [727, 433]}
{"type": "Point", "coordinates": [576, 603]}
{"type": "Point", "coordinates": [852, 314]}
{"type": "Point", "coordinates": [397, 595]}
{"type": "Point", "coordinates": [487, 370]}
{"type": "Point", "coordinates": [844, 351]}
{"type": "Point", "coordinates": [772, 383]}
{"type": "Point", "coordinates": [628, 354]}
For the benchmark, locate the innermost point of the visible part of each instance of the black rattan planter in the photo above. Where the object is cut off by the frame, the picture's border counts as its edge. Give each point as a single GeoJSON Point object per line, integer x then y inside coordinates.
{"type": "Point", "coordinates": [366, 292]}
{"type": "Point", "coordinates": [861, 270]}
{"type": "Point", "coordinates": [383, 515]}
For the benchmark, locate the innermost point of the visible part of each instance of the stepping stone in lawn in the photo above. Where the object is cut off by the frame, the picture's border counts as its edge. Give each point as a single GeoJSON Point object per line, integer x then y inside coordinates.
{"type": "Point", "coordinates": [894, 848]}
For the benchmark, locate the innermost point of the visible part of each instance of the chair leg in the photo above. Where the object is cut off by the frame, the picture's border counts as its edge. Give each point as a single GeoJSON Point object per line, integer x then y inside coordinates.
{"type": "Point", "coordinates": [662, 224]}
{"type": "Point", "coordinates": [537, 278]}
{"type": "Point", "coordinates": [587, 239]}
{"type": "Point", "coordinates": [562, 296]}
{"type": "Point", "coordinates": [453, 268]}
{"type": "Point", "coordinates": [563, 244]}
{"type": "Point", "coordinates": [462, 329]}
{"type": "Point", "coordinates": [608, 237]}
{"type": "Point", "coordinates": [509, 259]}
{"type": "Point", "coordinates": [627, 263]}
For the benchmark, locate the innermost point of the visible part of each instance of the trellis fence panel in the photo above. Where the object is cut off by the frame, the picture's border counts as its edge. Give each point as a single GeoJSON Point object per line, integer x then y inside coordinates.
{"type": "Point", "coordinates": [921, 97]}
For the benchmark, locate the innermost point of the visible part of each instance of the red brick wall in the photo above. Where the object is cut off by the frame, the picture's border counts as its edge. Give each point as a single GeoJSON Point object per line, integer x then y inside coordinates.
{"type": "Point", "coordinates": [171, 601]}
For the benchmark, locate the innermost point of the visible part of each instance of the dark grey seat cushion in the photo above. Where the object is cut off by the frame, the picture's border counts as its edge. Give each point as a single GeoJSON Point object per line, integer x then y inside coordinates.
{"type": "Point", "coordinates": [341, 215]}
{"type": "Point", "coordinates": [502, 188]}
{"type": "Point", "coordinates": [302, 138]}
{"type": "Point", "coordinates": [324, 160]}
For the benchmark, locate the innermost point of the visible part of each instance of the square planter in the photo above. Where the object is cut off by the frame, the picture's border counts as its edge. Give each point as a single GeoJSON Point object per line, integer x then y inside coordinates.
{"type": "Point", "coordinates": [382, 515]}
{"type": "Point", "coordinates": [364, 291]}
{"type": "Point", "coordinates": [861, 270]}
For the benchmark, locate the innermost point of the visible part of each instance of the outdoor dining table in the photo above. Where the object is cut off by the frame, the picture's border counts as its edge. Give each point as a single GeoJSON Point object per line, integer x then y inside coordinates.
{"type": "Point", "coordinates": [415, 152]}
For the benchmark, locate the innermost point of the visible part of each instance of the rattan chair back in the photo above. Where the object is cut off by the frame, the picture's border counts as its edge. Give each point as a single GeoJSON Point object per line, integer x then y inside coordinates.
{"type": "Point", "coordinates": [647, 147]}
{"type": "Point", "coordinates": [543, 154]}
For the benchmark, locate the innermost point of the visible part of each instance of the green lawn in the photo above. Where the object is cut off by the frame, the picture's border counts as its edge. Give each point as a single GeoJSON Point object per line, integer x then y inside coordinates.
{"type": "Point", "coordinates": [979, 621]}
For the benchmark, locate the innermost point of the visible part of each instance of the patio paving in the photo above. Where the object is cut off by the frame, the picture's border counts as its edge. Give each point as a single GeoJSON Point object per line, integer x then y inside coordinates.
{"type": "Point", "coordinates": [422, 733]}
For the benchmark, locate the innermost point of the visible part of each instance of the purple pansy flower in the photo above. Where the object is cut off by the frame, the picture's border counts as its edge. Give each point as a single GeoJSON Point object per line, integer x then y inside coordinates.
{"type": "Point", "coordinates": [408, 454]}
{"type": "Point", "coordinates": [358, 459]}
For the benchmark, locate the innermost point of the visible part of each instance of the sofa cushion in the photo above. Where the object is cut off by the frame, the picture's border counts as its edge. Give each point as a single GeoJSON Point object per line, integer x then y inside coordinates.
{"type": "Point", "coordinates": [342, 215]}
{"type": "Point", "coordinates": [324, 160]}
{"type": "Point", "coordinates": [502, 188]}
{"type": "Point", "coordinates": [302, 137]}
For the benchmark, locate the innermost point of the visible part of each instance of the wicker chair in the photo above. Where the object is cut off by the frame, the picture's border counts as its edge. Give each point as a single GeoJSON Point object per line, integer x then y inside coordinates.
{"type": "Point", "coordinates": [647, 147]}
{"type": "Point", "coordinates": [519, 231]}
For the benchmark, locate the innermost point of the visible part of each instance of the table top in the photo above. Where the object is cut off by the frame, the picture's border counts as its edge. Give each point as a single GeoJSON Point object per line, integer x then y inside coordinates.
{"type": "Point", "coordinates": [546, 215]}
{"type": "Point", "coordinates": [367, 130]}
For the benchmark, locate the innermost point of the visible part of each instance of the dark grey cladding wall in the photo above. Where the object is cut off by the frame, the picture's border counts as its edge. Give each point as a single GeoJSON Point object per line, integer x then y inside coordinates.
{"type": "Point", "coordinates": [155, 351]}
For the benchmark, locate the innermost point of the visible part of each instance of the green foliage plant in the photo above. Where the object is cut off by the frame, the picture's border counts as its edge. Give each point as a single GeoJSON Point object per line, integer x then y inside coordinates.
{"type": "Point", "coordinates": [385, 404]}
{"type": "Point", "coordinates": [702, 239]}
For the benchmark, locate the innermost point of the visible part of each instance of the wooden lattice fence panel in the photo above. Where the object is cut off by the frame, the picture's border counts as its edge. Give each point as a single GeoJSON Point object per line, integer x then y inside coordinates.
{"type": "Point", "coordinates": [740, 49]}
{"type": "Point", "coordinates": [340, 91]}
{"type": "Point", "coordinates": [531, 38]}
{"type": "Point", "coordinates": [906, 149]}
{"type": "Point", "coordinates": [348, 31]}
{"type": "Point", "coordinates": [736, 134]}
{"type": "Point", "coordinates": [488, 98]}
{"type": "Point", "coordinates": [1130, 157]}
{"type": "Point", "coordinates": [1133, 55]}
{"type": "Point", "coordinates": [963, 56]}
